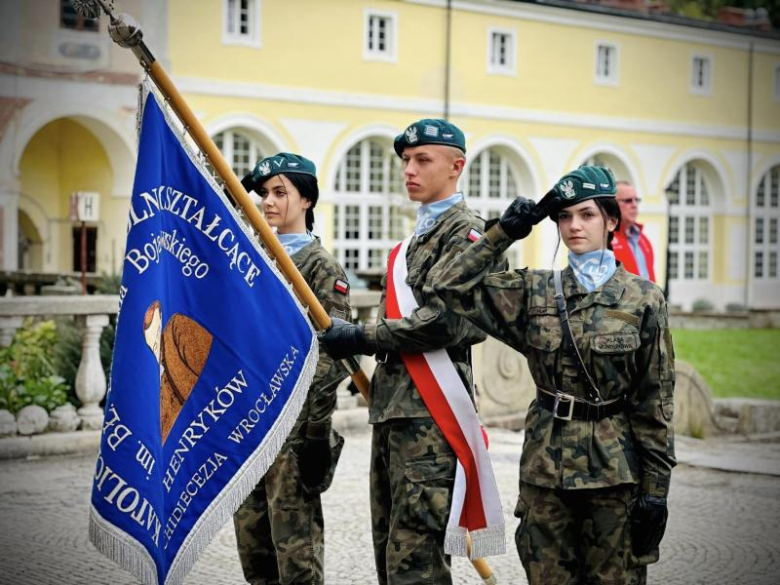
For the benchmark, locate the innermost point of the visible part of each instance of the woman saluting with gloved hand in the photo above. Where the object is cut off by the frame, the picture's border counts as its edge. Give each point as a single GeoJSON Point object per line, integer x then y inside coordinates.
{"type": "Point", "coordinates": [599, 444]}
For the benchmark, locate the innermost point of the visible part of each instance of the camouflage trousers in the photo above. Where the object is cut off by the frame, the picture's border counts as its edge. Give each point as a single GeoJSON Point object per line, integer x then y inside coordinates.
{"type": "Point", "coordinates": [279, 529]}
{"type": "Point", "coordinates": [412, 476]}
{"type": "Point", "coordinates": [569, 537]}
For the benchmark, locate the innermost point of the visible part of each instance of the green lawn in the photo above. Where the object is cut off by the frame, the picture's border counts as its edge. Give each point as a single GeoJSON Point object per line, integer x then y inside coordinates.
{"type": "Point", "coordinates": [734, 362]}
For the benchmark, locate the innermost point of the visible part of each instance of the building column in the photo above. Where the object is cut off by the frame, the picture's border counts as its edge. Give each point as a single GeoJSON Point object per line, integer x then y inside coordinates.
{"type": "Point", "coordinates": [9, 225]}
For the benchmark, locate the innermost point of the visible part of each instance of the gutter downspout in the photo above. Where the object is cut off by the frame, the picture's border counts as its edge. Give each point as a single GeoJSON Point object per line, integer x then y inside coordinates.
{"type": "Point", "coordinates": [448, 60]}
{"type": "Point", "coordinates": [751, 236]}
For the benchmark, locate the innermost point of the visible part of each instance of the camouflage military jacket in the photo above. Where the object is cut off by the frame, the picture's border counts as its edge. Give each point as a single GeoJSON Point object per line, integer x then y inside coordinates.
{"type": "Point", "coordinates": [622, 333]}
{"type": "Point", "coordinates": [430, 327]}
{"type": "Point", "coordinates": [320, 270]}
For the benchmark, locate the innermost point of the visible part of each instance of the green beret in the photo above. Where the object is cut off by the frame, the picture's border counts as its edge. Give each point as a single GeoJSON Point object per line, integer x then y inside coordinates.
{"type": "Point", "coordinates": [587, 182]}
{"type": "Point", "coordinates": [282, 163]}
{"type": "Point", "coordinates": [430, 131]}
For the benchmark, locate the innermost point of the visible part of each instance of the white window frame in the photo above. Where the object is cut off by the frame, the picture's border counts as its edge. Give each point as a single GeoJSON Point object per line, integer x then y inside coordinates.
{"type": "Point", "coordinates": [767, 214]}
{"type": "Point", "coordinates": [705, 89]}
{"type": "Point", "coordinates": [390, 54]}
{"type": "Point", "coordinates": [614, 76]}
{"type": "Point", "coordinates": [389, 200]}
{"type": "Point", "coordinates": [254, 38]}
{"type": "Point", "coordinates": [227, 139]}
{"type": "Point", "coordinates": [510, 67]}
{"type": "Point", "coordinates": [486, 206]}
{"type": "Point", "coordinates": [777, 82]}
{"type": "Point", "coordinates": [682, 211]}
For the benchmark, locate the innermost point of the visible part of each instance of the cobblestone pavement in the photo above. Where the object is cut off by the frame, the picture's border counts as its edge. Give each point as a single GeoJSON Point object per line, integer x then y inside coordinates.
{"type": "Point", "coordinates": [724, 527]}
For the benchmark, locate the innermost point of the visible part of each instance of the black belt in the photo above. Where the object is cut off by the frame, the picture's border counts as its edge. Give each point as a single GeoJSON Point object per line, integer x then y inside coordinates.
{"type": "Point", "coordinates": [568, 407]}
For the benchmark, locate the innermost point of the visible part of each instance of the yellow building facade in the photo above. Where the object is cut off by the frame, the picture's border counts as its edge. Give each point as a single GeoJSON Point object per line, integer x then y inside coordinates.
{"type": "Point", "coordinates": [689, 115]}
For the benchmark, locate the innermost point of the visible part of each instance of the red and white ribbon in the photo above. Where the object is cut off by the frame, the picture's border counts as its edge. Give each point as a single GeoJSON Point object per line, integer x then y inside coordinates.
{"type": "Point", "coordinates": [476, 505]}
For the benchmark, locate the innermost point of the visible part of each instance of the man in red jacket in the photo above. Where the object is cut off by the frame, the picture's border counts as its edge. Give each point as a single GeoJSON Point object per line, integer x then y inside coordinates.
{"type": "Point", "coordinates": [631, 246]}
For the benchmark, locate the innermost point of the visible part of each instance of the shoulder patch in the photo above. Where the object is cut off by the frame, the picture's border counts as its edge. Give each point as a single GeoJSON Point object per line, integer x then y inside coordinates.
{"type": "Point", "coordinates": [474, 235]}
{"type": "Point", "coordinates": [341, 286]}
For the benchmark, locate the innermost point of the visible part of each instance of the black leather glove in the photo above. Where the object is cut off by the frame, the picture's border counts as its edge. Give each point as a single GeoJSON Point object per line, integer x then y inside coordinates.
{"type": "Point", "coordinates": [519, 218]}
{"type": "Point", "coordinates": [648, 523]}
{"type": "Point", "coordinates": [343, 340]}
{"type": "Point", "coordinates": [314, 460]}
{"type": "Point", "coordinates": [546, 206]}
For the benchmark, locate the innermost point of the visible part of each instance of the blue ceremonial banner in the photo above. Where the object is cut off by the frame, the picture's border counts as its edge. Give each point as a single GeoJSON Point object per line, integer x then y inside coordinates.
{"type": "Point", "coordinates": [212, 361]}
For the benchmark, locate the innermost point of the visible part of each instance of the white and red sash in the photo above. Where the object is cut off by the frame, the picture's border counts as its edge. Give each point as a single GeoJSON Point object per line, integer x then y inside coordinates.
{"type": "Point", "coordinates": [476, 505]}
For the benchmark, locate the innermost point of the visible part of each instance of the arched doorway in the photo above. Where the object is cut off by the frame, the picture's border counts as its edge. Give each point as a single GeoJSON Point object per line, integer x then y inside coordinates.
{"type": "Point", "coordinates": [65, 156]}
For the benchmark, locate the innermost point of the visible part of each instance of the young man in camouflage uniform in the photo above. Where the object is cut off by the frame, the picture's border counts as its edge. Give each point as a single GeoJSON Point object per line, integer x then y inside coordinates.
{"type": "Point", "coordinates": [280, 527]}
{"type": "Point", "coordinates": [412, 465]}
{"type": "Point", "coordinates": [597, 457]}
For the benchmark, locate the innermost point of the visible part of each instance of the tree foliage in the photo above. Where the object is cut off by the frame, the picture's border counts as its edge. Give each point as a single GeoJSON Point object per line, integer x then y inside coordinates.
{"type": "Point", "coordinates": [708, 9]}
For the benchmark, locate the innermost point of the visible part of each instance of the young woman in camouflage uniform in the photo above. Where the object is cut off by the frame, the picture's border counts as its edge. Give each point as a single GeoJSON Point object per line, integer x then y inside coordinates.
{"type": "Point", "coordinates": [279, 527]}
{"type": "Point", "coordinates": [598, 451]}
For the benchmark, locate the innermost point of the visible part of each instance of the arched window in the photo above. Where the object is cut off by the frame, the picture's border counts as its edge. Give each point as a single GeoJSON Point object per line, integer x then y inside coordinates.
{"type": "Point", "coordinates": [490, 183]}
{"type": "Point", "coordinates": [767, 217]}
{"type": "Point", "coordinates": [690, 225]}
{"type": "Point", "coordinates": [369, 204]}
{"type": "Point", "coordinates": [612, 162]}
{"type": "Point", "coordinates": [240, 150]}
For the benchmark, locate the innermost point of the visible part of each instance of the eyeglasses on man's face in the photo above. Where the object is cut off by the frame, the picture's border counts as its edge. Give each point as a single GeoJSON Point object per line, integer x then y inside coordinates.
{"type": "Point", "coordinates": [630, 200]}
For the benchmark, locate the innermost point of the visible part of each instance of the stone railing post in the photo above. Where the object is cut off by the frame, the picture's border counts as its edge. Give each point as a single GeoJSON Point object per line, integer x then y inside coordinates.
{"type": "Point", "coordinates": [8, 327]}
{"type": "Point", "coordinates": [90, 378]}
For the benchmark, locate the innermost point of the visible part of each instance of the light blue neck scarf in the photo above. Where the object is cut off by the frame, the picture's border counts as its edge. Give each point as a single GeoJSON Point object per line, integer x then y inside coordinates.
{"type": "Point", "coordinates": [293, 243]}
{"type": "Point", "coordinates": [593, 269]}
{"type": "Point", "coordinates": [428, 214]}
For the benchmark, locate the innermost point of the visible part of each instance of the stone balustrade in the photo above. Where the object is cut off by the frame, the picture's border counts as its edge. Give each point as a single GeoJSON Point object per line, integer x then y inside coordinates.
{"type": "Point", "coordinates": [503, 382]}
{"type": "Point", "coordinates": [92, 313]}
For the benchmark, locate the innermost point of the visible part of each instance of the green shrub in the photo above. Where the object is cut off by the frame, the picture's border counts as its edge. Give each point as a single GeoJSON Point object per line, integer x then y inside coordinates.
{"type": "Point", "coordinates": [28, 369]}
{"type": "Point", "coordinates": [109, 284]}
{"type": "Point", "coordinates": [703, 305]}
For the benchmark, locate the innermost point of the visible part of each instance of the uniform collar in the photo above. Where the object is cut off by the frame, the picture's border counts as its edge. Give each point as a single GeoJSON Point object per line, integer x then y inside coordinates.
{"type": "Point", "coordinates": [294, 245]}
{"type": "Point", "coordinates": [593, 269]}
{"type": "Point", "coordinates": [458, 204]}
{"type": "Point", "coordinates": [427, 215]}
{"type": "Point", "coordinates": [608, 295]}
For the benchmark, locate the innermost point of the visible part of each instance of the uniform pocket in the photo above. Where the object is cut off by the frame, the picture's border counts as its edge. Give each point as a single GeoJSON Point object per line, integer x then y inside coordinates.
{"type": "Point", "coordinates": [429, 492]}
{"type": "Point", "coordinates": [667, 407]}
{"type": "Point", "coordinates": [425, 313]}
{"type": "Point", "coordinates": [413, 276]}
{"type": "Point", "coordinates": [544, 332]}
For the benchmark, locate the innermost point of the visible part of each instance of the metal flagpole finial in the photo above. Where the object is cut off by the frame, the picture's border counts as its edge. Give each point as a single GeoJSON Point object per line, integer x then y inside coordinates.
{"type": "Point", "coordinates": [123, 28]}
{"type": "Point", "coordinates": [91, 8]}
{"type": "Point", "coordinates": [125, 31]}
